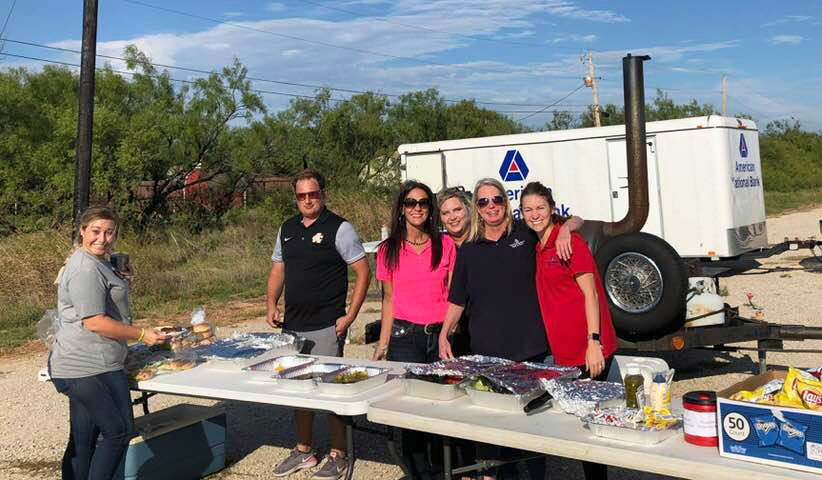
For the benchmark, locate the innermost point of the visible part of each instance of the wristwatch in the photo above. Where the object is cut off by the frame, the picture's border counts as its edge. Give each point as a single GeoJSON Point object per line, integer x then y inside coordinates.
{"type": "Point", "coordinates": [594, 336]}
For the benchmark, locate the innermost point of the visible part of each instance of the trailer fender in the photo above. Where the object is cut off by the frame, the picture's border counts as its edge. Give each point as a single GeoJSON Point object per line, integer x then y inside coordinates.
{"type": "Point", "coordinates": [645, 281]}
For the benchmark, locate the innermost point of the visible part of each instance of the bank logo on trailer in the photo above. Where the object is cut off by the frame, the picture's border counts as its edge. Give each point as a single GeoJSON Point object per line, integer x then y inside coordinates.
{"type": "Point", "coordinates": [513, 168]}
{"type": "Point", "coordinates": [743, 147]}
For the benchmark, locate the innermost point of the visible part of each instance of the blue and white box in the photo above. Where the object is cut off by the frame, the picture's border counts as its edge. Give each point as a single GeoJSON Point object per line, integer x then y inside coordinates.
{"type": "Point", "coordinates": [772, 435]}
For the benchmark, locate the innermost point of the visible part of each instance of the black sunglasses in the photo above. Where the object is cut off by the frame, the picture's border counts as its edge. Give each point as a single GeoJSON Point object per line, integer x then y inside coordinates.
{"type": "Point", "coordinates": [484, 201]}
{"type": "Point", "coordinates": [413, 202]}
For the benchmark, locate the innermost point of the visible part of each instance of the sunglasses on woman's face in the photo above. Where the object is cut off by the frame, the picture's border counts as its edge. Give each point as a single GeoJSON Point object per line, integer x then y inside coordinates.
{"type": "Point", "coordinates": [413, 202]}
{"type": "Point", "coordinates": [485, 201]}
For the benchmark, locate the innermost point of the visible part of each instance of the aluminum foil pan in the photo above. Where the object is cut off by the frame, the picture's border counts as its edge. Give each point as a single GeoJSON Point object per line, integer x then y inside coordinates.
{"type": "Point", "coordinates": [502, 401]}
{"type": "Point", "coordinates": [243, 345]}
{"type": "Point", "coordinates": [625, 434]}
{"type": "Point", "coordinates": [304, 378]}
{"type": "Point", "coordinates": [524, 377]}
{"type": "Point", "coordinates": [371, 377]}
{"type": "Point", "coordinates": [582, 397]}
{"type": "Point", "coordinates": [464, 366]}
{"type": "Point", "coordinates": [431, 390]}
{"type": "Point", "coordinates": [281, 364]}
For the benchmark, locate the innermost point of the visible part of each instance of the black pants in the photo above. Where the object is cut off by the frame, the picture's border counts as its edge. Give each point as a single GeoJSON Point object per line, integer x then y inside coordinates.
{"type": "Point", "coordinates": [421, 451]}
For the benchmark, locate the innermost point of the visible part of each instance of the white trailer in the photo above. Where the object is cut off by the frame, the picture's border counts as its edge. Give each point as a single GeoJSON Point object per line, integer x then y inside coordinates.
{"type": "Point", "coordinates": [704, 177]}
{"type": "Point", "coordinates": [705, 200]}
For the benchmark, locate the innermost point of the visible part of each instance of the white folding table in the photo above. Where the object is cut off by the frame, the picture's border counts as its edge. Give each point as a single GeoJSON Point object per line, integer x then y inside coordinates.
{"type": "Point", "coordinates": [227, 381]}
{"type": "Point", "coordinates": [555, 433]}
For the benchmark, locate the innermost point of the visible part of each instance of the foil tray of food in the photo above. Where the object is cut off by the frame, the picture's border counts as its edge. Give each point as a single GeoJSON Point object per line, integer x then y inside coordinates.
{"type": "Point", "coordinates": [632, 435]}
{"type": "Point", "coordinates": [242, 346]}
{"type": "Point", "coordinates": [304, 378]}
{"type": "Point", "coordinates": [434, 387]}
{"type": "Point", "coordinates": [506, 401]}
{"type": "Point", "coordinates": [352, 380]}
{"type": "Point", "coordinates": [281, 364]}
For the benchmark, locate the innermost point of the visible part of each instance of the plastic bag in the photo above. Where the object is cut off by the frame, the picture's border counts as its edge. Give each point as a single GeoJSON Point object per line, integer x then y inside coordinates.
{"type": "Point", "coordinates": [47, 327]}
{"type": "Point", "coordinates": [198, 315]}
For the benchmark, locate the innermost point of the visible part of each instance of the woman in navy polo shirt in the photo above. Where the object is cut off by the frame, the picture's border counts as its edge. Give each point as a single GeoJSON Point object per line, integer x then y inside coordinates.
{"type": "Point", "coordinates": [495, 273]}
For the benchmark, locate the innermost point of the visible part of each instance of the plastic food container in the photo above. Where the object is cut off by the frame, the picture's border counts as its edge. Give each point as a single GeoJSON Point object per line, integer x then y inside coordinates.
{"type": "Point", "coordinates": [502, 401]}
{"type": "Point", "coordinates": [432, 391]}
{"type": "Point", "coordinates": [375, 377]}
{"type": "Point", "coordinates": [304, 379]}
{"type": "Point", "coordinates": [699, 417]}
{"type": "Point", "coordinates": [281, 364]}
{"type": "Point", "coordinates": [644, 437]}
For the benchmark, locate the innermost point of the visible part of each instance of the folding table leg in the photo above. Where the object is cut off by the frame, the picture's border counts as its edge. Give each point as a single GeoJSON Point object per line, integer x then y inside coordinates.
{"type": "Point", "coordinates": [349, 445]}
{"type": "Point", "coordinates": [446, 458]}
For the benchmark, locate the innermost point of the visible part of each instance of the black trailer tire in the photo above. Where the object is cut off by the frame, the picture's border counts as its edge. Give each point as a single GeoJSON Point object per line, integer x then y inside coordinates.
{"type": "Point", "coordinates": [645, 281]}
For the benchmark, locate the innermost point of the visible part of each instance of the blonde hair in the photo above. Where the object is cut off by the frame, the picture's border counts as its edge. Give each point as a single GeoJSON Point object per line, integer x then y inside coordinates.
{"type": "Point", "coordinates": [464, 198]}
{"type": "Point", "coordinates": [477, 224]}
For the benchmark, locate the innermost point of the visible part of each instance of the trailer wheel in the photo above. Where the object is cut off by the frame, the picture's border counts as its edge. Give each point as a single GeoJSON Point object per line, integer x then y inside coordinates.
{"type": "Point", "coordinates": [646, 282]}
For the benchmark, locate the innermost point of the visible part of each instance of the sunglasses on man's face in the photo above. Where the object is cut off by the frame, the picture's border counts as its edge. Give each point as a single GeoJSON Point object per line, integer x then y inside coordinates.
{"type": "Point", "coordinates": [313, 195]}
{"type": "Point", "coordinates": [413, 202]}
{"type": "Point", "coordinates": [485, 201]}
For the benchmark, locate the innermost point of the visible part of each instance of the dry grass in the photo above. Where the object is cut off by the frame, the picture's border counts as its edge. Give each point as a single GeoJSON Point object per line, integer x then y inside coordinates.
{"type": "Point", "coordinates": [175, 270]}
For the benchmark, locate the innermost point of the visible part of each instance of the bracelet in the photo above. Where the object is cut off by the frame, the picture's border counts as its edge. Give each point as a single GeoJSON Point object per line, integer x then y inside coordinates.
{"type": "Point", "coordinates": [142, 334]}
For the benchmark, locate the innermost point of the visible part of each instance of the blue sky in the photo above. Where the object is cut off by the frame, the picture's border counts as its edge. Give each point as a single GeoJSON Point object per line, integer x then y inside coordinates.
{"type": "Point", "coordinates": [518, 56]}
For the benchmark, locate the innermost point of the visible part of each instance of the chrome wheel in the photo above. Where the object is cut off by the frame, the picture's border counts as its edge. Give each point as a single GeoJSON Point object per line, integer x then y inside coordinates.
{"type": "Point", "coordinates": [633, 282]}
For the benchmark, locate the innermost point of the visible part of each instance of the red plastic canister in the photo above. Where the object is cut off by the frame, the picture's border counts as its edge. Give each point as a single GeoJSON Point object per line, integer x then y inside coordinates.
{"type": "Point", "coordinates": [700, 418]}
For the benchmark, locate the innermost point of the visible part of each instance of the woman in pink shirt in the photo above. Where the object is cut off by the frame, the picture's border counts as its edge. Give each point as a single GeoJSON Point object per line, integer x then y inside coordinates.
{"type": "Point", "coordinates": [414, 264]}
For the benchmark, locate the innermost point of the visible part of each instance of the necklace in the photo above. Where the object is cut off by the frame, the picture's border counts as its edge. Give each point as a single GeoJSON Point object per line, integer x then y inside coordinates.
{"type": "Point", "coordinates": [422, 242]}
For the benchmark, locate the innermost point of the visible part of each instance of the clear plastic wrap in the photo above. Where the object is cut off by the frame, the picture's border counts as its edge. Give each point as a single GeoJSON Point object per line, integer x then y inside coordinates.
{"type": "Point", "coordinates": [47, 327]}
{"type": "Point", "coordinates": [582, 397]}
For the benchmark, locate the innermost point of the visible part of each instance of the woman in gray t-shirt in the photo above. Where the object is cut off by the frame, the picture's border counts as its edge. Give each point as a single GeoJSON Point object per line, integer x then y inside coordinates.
{"type": "Point", "coordinates": [86, 360]}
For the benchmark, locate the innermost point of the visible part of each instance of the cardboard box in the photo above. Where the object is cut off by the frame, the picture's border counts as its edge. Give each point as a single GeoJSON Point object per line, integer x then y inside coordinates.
{"type": "Point", "coordinates": [180, 442]}
{"type": "Point", "coordinates": [768, 434]}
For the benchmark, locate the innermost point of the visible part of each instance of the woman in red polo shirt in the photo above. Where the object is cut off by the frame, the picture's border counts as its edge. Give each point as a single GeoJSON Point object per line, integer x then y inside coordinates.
{"type": "Point", "coordinates": [571, 298]}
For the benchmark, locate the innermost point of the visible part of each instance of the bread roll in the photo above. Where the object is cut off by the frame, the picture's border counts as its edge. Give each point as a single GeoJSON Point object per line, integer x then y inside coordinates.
{"type": "Point", "coordinates": [201, 328]}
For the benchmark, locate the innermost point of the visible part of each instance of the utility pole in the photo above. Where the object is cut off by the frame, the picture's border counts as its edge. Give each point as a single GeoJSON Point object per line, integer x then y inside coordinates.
{"type": "Point", "coordinates": [85, 119]}
{"type": "Point", "coordinates": [591, 81]}
{"type": "Point", "coordinates": [724, 95]}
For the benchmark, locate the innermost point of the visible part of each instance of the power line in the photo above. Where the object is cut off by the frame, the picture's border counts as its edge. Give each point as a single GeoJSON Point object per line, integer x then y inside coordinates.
{"type": "Point", "coordinates": [429, 29]}
{"type": "Point", "coordinates": [555, 103]}
{"type": "Point", "coordinates": [316, 42]}
{"type": "Point", "coordinates": [190, 82]}
{"type": "Point", "coordinates": [5, 24]}
{"type": "Point", "coordinates": [266, 80]}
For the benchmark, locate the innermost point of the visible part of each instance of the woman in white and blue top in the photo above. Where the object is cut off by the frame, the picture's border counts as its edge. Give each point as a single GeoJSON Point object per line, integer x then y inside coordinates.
{"type": "Point", "coordinates": [87, 358]}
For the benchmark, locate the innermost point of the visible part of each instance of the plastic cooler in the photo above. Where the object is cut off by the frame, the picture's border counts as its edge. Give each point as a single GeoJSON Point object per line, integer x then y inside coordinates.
{"type": "Point", "coordinates": [180, 442]}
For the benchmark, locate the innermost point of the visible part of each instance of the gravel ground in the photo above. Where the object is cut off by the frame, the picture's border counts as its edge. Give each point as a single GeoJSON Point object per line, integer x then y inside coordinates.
{"type": "Point", "coordinates": [34, 418]}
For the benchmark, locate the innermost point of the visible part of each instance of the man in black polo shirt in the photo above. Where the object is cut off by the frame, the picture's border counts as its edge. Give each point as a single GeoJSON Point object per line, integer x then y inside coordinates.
{"type": "Point", "coordinates": [311, 258]}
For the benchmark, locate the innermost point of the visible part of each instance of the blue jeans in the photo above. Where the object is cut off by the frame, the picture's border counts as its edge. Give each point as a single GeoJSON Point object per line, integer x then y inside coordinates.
{"type": "Point", "coordinates": [102, 423]}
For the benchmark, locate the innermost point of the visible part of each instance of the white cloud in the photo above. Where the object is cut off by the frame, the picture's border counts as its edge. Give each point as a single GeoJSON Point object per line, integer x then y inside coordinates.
{"type": "Point", "coordinates": [275, 7]}
{"type": "Point", "coordinates": [572, 37]}
{"type": "Point", "coordinates": [516, 35]}
{"type": "Point", "coordinates": [788, 19]}
{"type": "Point", "coordinates": [786, 40]}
